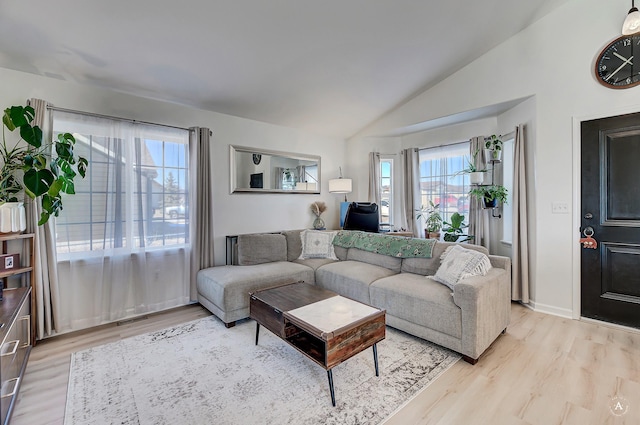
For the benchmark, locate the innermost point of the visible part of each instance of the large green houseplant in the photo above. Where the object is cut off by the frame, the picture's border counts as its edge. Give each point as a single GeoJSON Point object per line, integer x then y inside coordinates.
{"type": "Point", "coordinates": [432, 218]}
{"type": "Point", "coordinates": [455, 229]}
{"type": "Point", "coordinates": [40, 169]}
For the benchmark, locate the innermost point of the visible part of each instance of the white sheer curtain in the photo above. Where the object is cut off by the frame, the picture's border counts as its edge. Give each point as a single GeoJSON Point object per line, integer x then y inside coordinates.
{"type": "Point", "coordinates": [411, 189]}
{"type": "Point", "coordinates": [520, 246]}
{"type": "Point", "coordinates": [478, 216]}
{"type": "Point", "coordinates": [119, 253]}
{"type": "Point", "coordinates": [374, 177]}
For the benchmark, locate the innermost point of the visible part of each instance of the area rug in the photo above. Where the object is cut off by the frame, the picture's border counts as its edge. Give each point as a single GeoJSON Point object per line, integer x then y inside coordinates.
{"type": "Point", "coordinates": [203, 373]}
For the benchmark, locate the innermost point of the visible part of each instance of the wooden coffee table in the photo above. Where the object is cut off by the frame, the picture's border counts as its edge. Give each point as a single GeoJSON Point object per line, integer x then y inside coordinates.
{"type": "Point", "coordinates": [322, 325]}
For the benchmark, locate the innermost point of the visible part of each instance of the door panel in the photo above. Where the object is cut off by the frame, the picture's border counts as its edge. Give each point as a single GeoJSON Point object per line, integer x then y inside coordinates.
{"type": "Point", "coordinates": [610, 274]}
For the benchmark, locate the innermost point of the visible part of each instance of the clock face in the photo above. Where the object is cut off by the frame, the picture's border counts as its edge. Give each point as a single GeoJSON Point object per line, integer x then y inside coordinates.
{"type": "Point", "coordinates": [617, 66]}
{"type": "Point", "coordinates": [257, 158]}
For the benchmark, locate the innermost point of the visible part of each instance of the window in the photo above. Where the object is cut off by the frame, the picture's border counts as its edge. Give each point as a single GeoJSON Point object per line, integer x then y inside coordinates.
{"type": "Point", "coordinates": [507, 179]}
{"type": "Point", "coordinates": [441, 181]}
{"type": "Point", "coordinates": [386, 190]}
{"type": "Point", "coordinates": [135, 194]}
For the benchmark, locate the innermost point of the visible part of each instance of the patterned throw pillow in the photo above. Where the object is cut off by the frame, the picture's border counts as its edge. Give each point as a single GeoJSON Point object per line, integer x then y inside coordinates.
{"type": "Point", "coordinates": [317, 244]}
{"type": "Point", "coordinates": [457, 263]}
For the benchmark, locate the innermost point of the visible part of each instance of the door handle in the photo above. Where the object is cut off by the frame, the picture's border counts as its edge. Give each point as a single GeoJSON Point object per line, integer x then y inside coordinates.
{"type": "Point", "coordinates": [588, 241]}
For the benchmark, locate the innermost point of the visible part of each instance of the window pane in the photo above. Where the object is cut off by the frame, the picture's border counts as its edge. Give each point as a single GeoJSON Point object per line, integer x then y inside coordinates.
{"type": "Point", "coordinates": [135, 193]}
{"type": "Point", "coordinates": [441, 181]}
{"type": "Point", "coordinates": [386, 190]}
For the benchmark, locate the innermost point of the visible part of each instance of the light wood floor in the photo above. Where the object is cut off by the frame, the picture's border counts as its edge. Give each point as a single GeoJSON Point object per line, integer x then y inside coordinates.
{"type": "Point", "coordinates": [545, 370]}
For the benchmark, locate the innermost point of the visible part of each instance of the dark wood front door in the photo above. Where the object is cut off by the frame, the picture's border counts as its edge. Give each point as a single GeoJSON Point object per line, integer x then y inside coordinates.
{"type": "Point", "coordinates": [610, 274]}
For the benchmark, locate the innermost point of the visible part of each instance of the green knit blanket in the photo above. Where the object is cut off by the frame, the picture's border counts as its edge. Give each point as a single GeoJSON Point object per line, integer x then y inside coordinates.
{"type": "Point", "coordinates": [394, 246]}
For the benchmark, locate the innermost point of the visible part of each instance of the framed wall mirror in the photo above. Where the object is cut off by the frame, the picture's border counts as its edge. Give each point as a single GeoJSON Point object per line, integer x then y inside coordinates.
{"type": "Point", "coordinates": [266, 171]}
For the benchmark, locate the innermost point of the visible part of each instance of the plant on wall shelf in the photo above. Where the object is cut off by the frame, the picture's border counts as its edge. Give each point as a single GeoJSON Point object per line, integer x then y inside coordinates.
{"type": "Point", "coordinates": [475, 176]}
{"type": "Point", "coordinates": [492, 148]}
{"type": "Point", "coordinates": [31, 167]}
{"type": "Point", "coordinates": [490, 195]}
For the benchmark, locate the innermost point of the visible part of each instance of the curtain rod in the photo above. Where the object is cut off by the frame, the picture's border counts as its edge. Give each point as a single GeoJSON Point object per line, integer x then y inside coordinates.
{"type": "Point", "coordinates": [92, 114]}
{"type": "Point", "coordinates": [443, 145]}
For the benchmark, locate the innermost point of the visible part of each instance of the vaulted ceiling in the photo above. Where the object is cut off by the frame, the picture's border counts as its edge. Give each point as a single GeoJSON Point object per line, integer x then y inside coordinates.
{"type": "Point", "coordinates": [331, 66]}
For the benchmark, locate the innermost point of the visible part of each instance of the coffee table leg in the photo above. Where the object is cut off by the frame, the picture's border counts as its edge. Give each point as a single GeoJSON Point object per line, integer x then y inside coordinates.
{"type": "Point", "coordinates": [333, 395]}
{"type": "Point", "coordinates": [257, 332]}
{"type": "Point", "coordinates": [375, 357]}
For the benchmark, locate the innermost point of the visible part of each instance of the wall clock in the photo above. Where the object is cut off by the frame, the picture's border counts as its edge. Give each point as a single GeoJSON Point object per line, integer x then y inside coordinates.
{"type": "Point", "coordinates": [257, 158]}
{"type": "Point", "coordinates": [617, 66]}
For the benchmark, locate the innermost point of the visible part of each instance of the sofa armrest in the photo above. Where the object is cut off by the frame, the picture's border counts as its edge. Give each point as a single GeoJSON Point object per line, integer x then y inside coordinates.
{"type": "Point", "coordinates": [501, 262]}
{"type": "Point", "coordinates": [485, 302]}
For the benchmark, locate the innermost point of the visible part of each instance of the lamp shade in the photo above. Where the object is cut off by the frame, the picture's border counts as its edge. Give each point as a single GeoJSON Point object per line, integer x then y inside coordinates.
{"type": "Point", "coordinates": [631, 24]}
{"type": "Point", "coordinates": [340, 185]}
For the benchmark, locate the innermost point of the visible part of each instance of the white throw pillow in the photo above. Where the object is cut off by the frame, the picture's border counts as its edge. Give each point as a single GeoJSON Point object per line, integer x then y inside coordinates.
{"type": "Point", "coordinates": [457, 263]}
{"type": "Point", "coordinates": [317, 244]}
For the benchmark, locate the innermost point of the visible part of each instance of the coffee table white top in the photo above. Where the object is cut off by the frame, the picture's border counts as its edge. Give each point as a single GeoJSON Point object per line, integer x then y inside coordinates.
{"type": "Point", "coordinates": [332, 313]}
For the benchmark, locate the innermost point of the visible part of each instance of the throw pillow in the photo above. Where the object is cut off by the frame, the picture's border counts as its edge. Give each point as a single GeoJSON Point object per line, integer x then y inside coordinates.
{"type": "Point", "coordinates": [317, 244]}
{"type": "Point", "coordinates": [457, 263]}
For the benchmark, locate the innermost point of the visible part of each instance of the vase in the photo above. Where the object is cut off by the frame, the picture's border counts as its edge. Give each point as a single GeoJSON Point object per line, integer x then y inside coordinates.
{"type": "Point", "coordinates": [490, 203]}
{"type": "Point", "coordinates": [492, 155]}
{"type": "Point", "coordinates": [476, 177]}
{"type": "Point", "coordinates": [318, 223]}
{"type": "Point", "coordinates": [12, 217]}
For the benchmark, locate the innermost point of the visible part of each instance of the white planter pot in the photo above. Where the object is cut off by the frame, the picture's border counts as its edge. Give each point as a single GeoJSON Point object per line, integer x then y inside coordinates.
{"type": "Point", "coordinates": [492, 155]}
{"type": "Point", "coordinates": [476, 177]}
{"type": "Point", "coordinates": [12, 217]}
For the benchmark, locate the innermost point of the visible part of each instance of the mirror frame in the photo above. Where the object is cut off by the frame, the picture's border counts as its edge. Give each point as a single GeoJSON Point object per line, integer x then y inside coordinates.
{"type": "Point", "coordinates": [291, 155]}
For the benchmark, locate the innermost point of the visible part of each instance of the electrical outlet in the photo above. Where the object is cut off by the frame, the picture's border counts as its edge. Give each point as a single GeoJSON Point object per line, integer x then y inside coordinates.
{"type": "Point", "coordinates": [560, 208]}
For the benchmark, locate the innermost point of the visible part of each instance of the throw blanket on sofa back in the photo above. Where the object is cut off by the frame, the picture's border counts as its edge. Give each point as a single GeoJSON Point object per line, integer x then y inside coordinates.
{"type": "Point", "coordinates": [394, 246]}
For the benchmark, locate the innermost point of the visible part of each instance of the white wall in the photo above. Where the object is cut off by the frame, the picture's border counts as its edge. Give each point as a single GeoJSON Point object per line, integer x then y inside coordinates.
{"type": "Point", "coordinates": [237, 213]}
{"type": "Point", "coordinates": [553, 59]}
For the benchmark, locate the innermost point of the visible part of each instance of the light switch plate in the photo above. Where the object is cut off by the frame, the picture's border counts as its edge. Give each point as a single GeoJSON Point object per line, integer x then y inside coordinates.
{"type": "Point", "coordinates": [560, 208]}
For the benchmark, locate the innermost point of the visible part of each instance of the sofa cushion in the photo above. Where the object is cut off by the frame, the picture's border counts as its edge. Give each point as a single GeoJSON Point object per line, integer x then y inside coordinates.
{"type": "Point", "coordinates": [350, 278]}
{"type": "Point", "coordinates": [418, 300]}
{"type": "Point", "coordinates": [261, 248]}
{"type": "Point", "coordinates": [392, 263]}
{"type": "Point", "coordinates": [458, 263]}
{"type": "Point", "coordinates": [294, 244]}
{"type": "Point", "coordinates": [314, 263]}
{"type": "Point", "coordinates": [429, 266]}
{"type": "Point", "coordinates": [317, 244]}
{"type": "Point", "coordinates": [341, 252]}
{"type": "Point", "coordinates": [228, 287]}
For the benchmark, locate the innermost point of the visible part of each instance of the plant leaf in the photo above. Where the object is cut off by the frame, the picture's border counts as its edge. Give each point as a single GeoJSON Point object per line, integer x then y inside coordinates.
{"type": "Point", "coordinates": [55, 188]}
{"type": "Point", "coordinates": [31, 135]}
{"type": "Point", "coordinates": [38, 181]}
{"type": "Point", "coordinates": [64, 151]}
{"type": "Point", "coordinates": [82, 166]}
{"type": "Point", "coordinates": [67, 185]}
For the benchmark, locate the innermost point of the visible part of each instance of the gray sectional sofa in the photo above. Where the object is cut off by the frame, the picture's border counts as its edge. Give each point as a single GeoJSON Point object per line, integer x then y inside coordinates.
{"type": "Point", "coordinates": [466, 319]}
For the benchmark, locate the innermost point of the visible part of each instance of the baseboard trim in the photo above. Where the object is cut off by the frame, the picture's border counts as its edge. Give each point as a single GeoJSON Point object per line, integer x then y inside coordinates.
{"type": "Point", "coordinates": [549, 309]}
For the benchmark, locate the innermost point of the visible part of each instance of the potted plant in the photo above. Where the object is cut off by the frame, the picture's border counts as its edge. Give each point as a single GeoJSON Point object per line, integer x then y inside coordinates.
{"type": "Point", "coordinates": [490, 195]}
{"type": "Point", "coordinates": [29, 167]}
{"type": "Point", "coordinates": [455, 229]}
{"type": "Point", "coordinates": [432, 218]}
{"type": "Point", "coordinates": [475, 176]}
{"type": "Point", "coordinates": [492, 148]}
